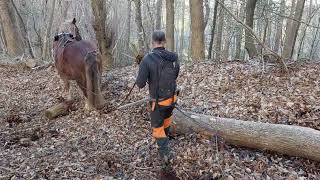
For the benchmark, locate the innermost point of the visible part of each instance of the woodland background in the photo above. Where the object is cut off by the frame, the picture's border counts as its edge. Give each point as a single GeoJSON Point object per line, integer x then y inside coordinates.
{"type": "Point", "coordinates": [289, 28]}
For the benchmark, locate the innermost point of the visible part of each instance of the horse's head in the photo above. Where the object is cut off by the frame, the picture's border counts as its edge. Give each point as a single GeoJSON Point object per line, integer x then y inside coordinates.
{"type": "Point", "coordinates": [72, 28]}
{"type": "Point", "coordinates": [61, 39]}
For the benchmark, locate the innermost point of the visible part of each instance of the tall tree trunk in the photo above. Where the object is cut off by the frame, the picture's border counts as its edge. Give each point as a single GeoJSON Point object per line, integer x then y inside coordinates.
{"type": "Point", "coordinates": [239, 32]}
{"type": "Point", "coordinates": [268, 24]}
{"type": "Point", "coordinates": [2, 40]}
{"type": "Point", "coordinates": [12, 37]}
{"type": "Point", "coordinates": [227, 43]}
{"type": "Point", "coordinates": [214, 22]}
{"type": "Point", "coordinates": [141, 32]}
{"type": "Point", "coordinates": [99, 26]}
{"type": "Point", "coordinates": [24, 30]}
{"type": "Point", "coordinates": [182, 28]}
{"type": "Point", "coordinates": [218, 48]}
{"type": "Point", "coordinates": [249, 44]}
{"type": "Point", "coordinates": [170, 24]}
{"type": "Point", "coordinates": [289, 20]}
{"type": "Point", "coordinates": [279, 27]}
{"type": "Point", "coordinates": [128, 28]}
{"type": "Point", "coordinates": [265, 30]}
{"type": "Point", "coordinates": [207, 13]}
{"type": "Point", "coordinates": [158, 14]}
{"type": "Point", "coordinates": [315, 38]}
{"type": "Point", "coordinates": [292, 32]}
{"type": "Point", "coordinates": [46, 39]}
{"type": "Point", "coordinates": [310, 16]}
{"type": "Point", "coordinates": [197, 30]}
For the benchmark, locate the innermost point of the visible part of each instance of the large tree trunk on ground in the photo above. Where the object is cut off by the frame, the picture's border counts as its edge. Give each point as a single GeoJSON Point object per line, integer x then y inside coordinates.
{"type": "Point", "coordinates": [284, 139]}
{"type": "Point", "coordinates": [170, 24]}
{"type": "Point", "coordinates": [292, 32]}
{"type": "Point", "coordinates": [12, 37]}
{"type": "Point", "coordinates": [249, 44]}
{"type": "Point", "coordinates": [197, 30]}
{"type": "Point", "coordinates": [99, 12]}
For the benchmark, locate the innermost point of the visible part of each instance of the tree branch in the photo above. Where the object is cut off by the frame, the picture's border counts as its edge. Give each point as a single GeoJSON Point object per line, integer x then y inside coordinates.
{"type": "Point", "coordinates": [279, 58]}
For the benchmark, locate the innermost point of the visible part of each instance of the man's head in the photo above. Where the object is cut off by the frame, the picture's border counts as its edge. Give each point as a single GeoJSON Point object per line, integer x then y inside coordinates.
{"type": "Point", "coordinates": [158, 39]}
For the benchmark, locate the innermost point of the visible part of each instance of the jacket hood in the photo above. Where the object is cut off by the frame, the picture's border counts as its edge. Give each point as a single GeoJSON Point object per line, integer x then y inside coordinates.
{"type": "Point", "coordinates": [165, 54]}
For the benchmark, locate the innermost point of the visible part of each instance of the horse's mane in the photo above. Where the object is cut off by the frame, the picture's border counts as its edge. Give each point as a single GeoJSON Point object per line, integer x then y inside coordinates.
{"type": "Point", "coordinates": [67, 25]}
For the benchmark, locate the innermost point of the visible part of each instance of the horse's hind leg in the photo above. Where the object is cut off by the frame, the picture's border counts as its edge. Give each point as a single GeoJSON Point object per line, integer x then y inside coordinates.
{"type": "Point", "coordinates": [67, 89]}
{"type": "Point", "coordinates": [83, 86]}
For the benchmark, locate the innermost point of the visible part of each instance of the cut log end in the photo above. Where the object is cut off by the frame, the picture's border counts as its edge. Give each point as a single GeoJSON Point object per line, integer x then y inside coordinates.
{"type": "Point", "coordinates": [60, 109]}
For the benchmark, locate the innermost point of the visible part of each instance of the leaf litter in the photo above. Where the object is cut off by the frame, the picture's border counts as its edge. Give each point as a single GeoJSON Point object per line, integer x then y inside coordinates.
{"type": "Point", "coordinates": [119, 145]}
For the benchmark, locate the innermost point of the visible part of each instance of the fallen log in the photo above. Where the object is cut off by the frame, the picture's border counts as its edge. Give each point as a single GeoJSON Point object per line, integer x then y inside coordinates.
{"type": "Point", "coordinates": [285, 139]}
{"type": "Point", "coordinates": [60, 109]}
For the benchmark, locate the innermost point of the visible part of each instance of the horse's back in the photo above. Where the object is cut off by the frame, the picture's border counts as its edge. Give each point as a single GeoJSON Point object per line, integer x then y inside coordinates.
{"type": "Point", "coordinates": [71, 63]}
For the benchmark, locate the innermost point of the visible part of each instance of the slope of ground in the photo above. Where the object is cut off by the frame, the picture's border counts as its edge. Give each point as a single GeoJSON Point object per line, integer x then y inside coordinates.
{"type": "Point", "coordinates": [119, 144]}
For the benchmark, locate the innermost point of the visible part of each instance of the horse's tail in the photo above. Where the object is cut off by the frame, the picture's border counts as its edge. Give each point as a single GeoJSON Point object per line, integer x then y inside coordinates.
{"type": "Point", "coordinates": [93, 76]}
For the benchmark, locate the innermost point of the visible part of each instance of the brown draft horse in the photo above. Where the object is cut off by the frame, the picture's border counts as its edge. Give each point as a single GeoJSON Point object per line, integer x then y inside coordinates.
{"type": "Point", "coordinates": [79, 60]}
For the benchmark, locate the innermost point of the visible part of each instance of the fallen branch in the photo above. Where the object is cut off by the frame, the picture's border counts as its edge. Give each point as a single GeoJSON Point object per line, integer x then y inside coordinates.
{"type": "Point", "coordinates": [134, 103]}
{"type": "Point", "coordinates": [285, 139]}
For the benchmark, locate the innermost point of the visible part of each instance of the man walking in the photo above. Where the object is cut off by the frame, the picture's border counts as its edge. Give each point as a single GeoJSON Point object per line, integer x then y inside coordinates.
{"type": "Point", "coordinates": [160, 69]}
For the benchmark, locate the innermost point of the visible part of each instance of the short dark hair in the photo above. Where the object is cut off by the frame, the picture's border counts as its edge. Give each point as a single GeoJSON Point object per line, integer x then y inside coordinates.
{"type": "Point", "coordinates": [158, 36]}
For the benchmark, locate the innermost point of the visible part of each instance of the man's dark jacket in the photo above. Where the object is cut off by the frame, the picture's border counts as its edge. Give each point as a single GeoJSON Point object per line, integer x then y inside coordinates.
{"type": "Point", "coordinates": [149, 66]}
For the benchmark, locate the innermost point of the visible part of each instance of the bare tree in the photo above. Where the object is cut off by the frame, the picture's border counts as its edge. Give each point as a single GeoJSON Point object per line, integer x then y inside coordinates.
{"type": "Point", "coordinates": [24, 30]}
{"type": "Point", "coordinates": [292, 32]}
{"type": "Point", "coordinates": [218, 46]}
{"type": "Point", "coordinates": [197, 30]}
{"type": "Point", "coordinates": [182, 28]}
{"type": "Point", "coordinates": [46, 38]}
{"type": "Point", "coordinates": [170, 24]}
{"type": "Point", "coordinates": [141, 32]}
{"type": "Point", "coordinates": [99, 26]}
{"type": "Point", "coordinates": [315, 38]}
{"type": "Point", "coordinates": [12, 37]}
{"type": "Point", "coordinates": [239, 32]}
{"type": "Point", "coordinates": [128, 34]}
{"type": "Point", "coordinates": [214, 22]}
{"type": "Point", "coordinates": [158, 14]}
{"type": "Point", "coordinates": [249, 44]}
{"type": "Point", "coordinates": [310, 16]}
{"type": "Point", "coordinates": [279, 27]}
{"type": "Point", "coordinates": [207, 13]}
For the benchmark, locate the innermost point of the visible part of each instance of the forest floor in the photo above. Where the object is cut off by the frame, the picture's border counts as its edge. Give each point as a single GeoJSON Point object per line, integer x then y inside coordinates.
{"type": "Point", "coordinates": [85, 145]}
